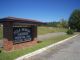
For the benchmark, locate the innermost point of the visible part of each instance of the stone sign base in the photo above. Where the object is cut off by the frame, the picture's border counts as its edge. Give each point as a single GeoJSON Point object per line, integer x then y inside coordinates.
{"type": "Point", "coordinates": [9, 46]}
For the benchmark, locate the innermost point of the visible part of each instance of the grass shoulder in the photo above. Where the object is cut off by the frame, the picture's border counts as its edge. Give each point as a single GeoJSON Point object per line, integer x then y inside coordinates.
{"type": "Point", "coordinates": [14, 54]}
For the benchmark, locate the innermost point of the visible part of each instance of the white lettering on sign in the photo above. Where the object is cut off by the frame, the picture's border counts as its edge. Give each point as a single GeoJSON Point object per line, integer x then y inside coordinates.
{"type": "Point", "coordinates": [21, 34]}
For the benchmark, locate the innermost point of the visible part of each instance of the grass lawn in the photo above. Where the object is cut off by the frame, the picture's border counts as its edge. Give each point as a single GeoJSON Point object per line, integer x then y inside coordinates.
{"type": "Point", "coordinates": [41, 30]}
{"type": "Point", "coordinates": [45, 30]}
{"type": "Point", "coordinates": [1, 32]}
{"type": "Point", "coordinates": [17, 53]}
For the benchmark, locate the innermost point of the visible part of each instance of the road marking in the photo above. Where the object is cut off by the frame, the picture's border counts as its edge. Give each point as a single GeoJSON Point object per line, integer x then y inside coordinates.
{"type": "Point", "coordinates": [43, 49]}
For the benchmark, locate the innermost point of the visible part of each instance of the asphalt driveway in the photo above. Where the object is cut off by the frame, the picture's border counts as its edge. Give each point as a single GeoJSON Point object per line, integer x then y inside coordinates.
{"type": "Point", "coordinates": [69, 50]}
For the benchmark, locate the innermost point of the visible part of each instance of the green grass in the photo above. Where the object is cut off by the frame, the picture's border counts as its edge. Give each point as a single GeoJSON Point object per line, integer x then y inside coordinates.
{"type": "Point", "coordinates": [45, 30]}
{"type": "Point", "coordinates": [41, 30]}
{"type": "Point", "coordinates": [1, 32]}
{"type": "Point", "coordinates": [17, 53]}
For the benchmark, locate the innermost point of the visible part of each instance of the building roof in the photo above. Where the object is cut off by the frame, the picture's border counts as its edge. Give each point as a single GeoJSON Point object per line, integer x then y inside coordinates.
{"type": "Point", "coordinates": [19, 20]}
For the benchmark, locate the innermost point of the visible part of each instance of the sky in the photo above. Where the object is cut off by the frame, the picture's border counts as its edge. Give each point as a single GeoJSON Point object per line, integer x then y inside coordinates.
{"type": "Point", "coordinates": [41, 10]}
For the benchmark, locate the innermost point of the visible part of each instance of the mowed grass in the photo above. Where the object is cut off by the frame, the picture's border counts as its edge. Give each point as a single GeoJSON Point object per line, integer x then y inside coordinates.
{"type": "Point", "coordinates": [45, 30]}
{"type": "Point", "coordinates": [1, 32]}
{"type": "Point", "coordinates": [41, 30]}
{"type": "Point", "coordinates": [14, 54]}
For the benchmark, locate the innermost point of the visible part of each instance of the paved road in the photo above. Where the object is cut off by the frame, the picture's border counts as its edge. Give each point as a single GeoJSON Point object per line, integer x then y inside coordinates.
{"type": "Point", "coordinates": [69, 50]}
{"type": "Point", "coordinates": [49, 35]}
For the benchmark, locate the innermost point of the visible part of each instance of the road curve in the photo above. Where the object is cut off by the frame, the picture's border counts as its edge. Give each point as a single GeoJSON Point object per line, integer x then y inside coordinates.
{"type": "Point", "coordinates": [69, 50]}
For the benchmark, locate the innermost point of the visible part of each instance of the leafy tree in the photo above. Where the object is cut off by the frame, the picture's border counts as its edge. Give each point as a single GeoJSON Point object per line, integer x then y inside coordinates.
{"type": "Point", "coordinates": [74, 20]}
{"type": "Point", "coordinates": [64, 23]}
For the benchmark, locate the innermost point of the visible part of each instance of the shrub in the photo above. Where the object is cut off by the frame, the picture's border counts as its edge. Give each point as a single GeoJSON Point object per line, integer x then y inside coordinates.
{"type": "Point", "coordinates": [70, 31]}
{"type": "Point", "coordinates": [39, 41]}
{"type": "Point", "coordinates": [0, 51]}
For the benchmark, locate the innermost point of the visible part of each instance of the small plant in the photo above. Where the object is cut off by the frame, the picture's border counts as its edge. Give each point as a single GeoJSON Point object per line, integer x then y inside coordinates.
{"type": "Point", "coordinates": [0, 51]}
{"type": "Point", "coordinates": [39, 41]}
{"type": "Point", "coordinates": [70, 31]}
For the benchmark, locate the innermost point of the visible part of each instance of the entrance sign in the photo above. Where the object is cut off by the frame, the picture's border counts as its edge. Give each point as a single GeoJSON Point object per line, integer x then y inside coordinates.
{"type": "Point", "coordinates": [19, 32]}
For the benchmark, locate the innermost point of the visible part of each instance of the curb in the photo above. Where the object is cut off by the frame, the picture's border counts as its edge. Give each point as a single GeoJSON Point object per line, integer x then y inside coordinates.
{"type": "Point", "coordinates": [43, 49]}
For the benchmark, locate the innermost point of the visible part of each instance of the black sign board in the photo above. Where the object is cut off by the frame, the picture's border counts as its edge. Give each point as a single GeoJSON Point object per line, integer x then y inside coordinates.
{"type": "Point", "coordinates": [22, 34]}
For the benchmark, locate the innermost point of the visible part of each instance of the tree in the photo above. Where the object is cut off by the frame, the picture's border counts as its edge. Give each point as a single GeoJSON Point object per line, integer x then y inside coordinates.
{"type": "Point", "coordinates": [64, 23]}
{"type": "Point", "coordinates": [74, 20]}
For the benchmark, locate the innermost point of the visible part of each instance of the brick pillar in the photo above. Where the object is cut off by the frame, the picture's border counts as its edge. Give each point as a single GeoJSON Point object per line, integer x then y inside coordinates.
{"type": "Point", "coordinates": [7, 45]}
{"type": "Point", "coordinates": [34, 32]}
{"type": "Point", "coordinates": [8, 36]}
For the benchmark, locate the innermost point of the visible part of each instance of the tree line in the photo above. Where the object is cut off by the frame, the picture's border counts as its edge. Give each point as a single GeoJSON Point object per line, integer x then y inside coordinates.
{"type": "Point", "coordinates": [62, 23]}
{"type": "Point", "coordinates": [72, 23]}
